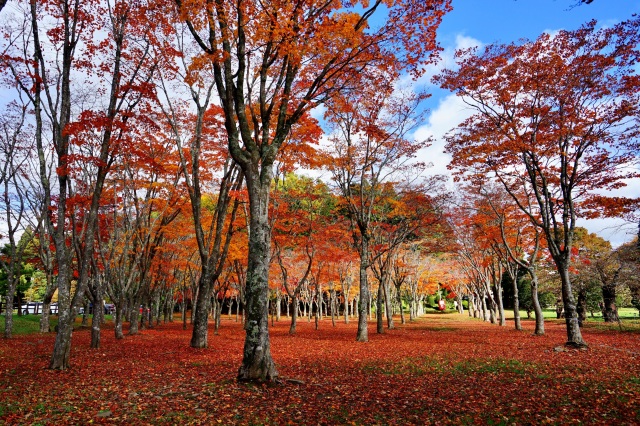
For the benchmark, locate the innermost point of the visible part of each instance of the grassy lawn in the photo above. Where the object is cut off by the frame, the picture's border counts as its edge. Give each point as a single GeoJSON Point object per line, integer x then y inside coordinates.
{"type": "Point", "coordinates": [28, 324]}
{"type": "Point", "coordinates": [626, 314]}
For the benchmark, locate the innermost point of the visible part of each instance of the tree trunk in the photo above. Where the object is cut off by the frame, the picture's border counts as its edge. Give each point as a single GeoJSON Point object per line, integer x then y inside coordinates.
{"type": "Point", "coordinates": [387, 303]}
{"type": "Point", "coordinates": [333, 307]}
{"type": "Point", "coordinates": [45, 326]}
{"type": "Point", "coordinates": [318, 312]}
{"type": "Point", "coordinates": [574, 335]}
{"type": "Point", "coordinates": [516, 305]}
{"type": "Point", "coordinates": [96, 325]}
{"type": "Point", "coordinates": [320, 299]}
{"type": "Point", "coordinates": [183, 312]}
{"type": "Point", "coordinates": [66, 316]}
{"type": "Point", "coordinates": [98, 317]}
{"type": "Point", "coordinates": [294, 316]}
{"type": "Point", "coordinates": [87, 311]}
{"type": "Point", "coordinates": [118, 318]}
{"type": "Point", "coordinates": [347, 305]}
{"type": "Point", "coordinates": [610, 311]}
{"type": "Point", "coordinates": [257, 363]}
{"type": "Point", "coordinates": [498, 291]}
{"type": "Point", "coordinates": [194, 302]}
{"type": "Point", "coordinates": [200, 334]}
{"type": "Point", "coordinates": [217, 315]}
{"type": "Point", "coordinates": [485, 311]}
{"type": "Point", "coordinates": [402, 320]}
{"type": "Point", "coordinates": [8, 314]}
{"type": "Point", "coordinates": [45, 319]}
{"type": "Point", "coordinates": [537, 309]}
{"type": "Point", "coordinates": [412, 309]}
{"type": "Point", "coordinates": [154, 312]}
{"type": "Point", "coordinates": [370, 306]}
{"type": "Point", "coordinates": [363, 307]}
{"type": "Point", "coordinates": [171, 308]}
{"type": "Point", "coordinates": [379, 301]}
{"type": "Point", "coordinates": [134, 319]}
{"type": "Point", "coordinates": [581, 306]}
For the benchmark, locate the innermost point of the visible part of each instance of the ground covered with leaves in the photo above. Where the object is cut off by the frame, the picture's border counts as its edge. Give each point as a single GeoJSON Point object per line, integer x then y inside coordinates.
{"type": "Point", "coordinates": [444, 369]}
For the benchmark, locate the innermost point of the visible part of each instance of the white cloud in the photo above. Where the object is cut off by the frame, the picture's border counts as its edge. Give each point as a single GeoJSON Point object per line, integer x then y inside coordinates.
{"type": "Point", "coordinates": [318, 112]}
{"type": "Point", "coordinates": [447, 60]}
{"type": "Point", "coordinates": [615, 230]}
{"type": "Point", "coordinates": [464, 42]}
{"type": "Point", "coordinates": [451, 110]}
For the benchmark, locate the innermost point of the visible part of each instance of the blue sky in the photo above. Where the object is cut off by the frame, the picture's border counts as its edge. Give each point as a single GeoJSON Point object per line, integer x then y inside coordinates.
{"type": "Point", "coordinates": [505, 21]}
{"type": "Point", "coordinates": [479, 22]}
{"type": "Point", "coordinates": [508, 20]}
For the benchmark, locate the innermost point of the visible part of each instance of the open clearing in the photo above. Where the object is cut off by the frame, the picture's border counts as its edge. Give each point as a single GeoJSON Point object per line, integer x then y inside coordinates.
{"type": "Point", "coordinates": [440, 369]}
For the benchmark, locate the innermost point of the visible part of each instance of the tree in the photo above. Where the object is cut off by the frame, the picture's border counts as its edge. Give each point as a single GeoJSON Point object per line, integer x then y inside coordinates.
{"type": "Point", "coordinates": [16, 147]}
{"type": "Point", "coordinates": [416, 268]}
{"type": "Point", "coordinates": [200, 140]}
{"type": "Point", "coordinates": [47, 84]}
{"type": "Point", "coordinates": [272, 62]}
{"type": "Point", "coordinates": [146, 200]}
{"type": "Point", "coordinates": [412, 216]}
{"type": "Point", "coordinates": [302, 232]}
{"type": "Point", "coordinates": [67, 43]}
{"type": "Point", "coordinates": [480, 265]}
{"type": "Point", "coordinates": [554, 116]}
{"type": "Point", "coordinates": [371, 159]}
{"type": "Point", "coordinates": [629, 257]}
{"type": "Point", "coordinates": [518, 245]}
{"type": "Point", "coordinates": [596, 269]}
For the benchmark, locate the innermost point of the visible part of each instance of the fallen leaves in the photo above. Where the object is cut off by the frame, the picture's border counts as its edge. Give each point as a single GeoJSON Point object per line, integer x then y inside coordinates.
{"type": "Point", "coordinates": [436, 370]}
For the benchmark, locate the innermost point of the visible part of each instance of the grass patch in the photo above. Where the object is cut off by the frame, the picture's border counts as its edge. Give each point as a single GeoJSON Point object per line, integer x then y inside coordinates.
{"type": "Point", "coordinates": [634, 380]}
{"type": "Point", "coordinates": [442, 328]}
{"type": "Point", "coordinates": [627, 316]}
{"type": "Point", "coordinates": [625, 326]}
{"type": "Point", "coordinates": [430, 365]}
{"type": "Point", "coordinates": [408, 366]}
{"type": "Point", "coordinates": [28, 324]}
{"type": "Point", "coordinates": [492, 366]}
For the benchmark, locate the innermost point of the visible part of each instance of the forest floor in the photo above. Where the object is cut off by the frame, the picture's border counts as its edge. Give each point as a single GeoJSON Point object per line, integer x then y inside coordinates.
{"type": "Point", "coordinates": [441, 369]}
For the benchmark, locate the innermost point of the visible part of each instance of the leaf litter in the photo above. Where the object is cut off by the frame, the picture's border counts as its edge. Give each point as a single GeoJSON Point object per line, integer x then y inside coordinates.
{"type": "Point", "coordinates": [437, 370]}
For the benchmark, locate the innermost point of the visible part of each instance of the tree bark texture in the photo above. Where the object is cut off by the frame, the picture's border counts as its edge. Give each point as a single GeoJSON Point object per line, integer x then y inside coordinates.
{"type": "Point", "coordinates": [537, 309]}
{"type": "Point", "coordinates": [516, 305]}
{"type": "Point", "coordinates": [294, 316]}
{"type": "Point", "coordinates": [199, 337]}
{"type": "Point", "coordinates": [574, 335]}
{"type": "Point", "coordinates": [363, 306]}
{"type": "Point", "coordinates": [257, 363]}
{"type": "Point", "coordinates": [610, 311]}
{"type": "Point", "coordinates": [379, 314]}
